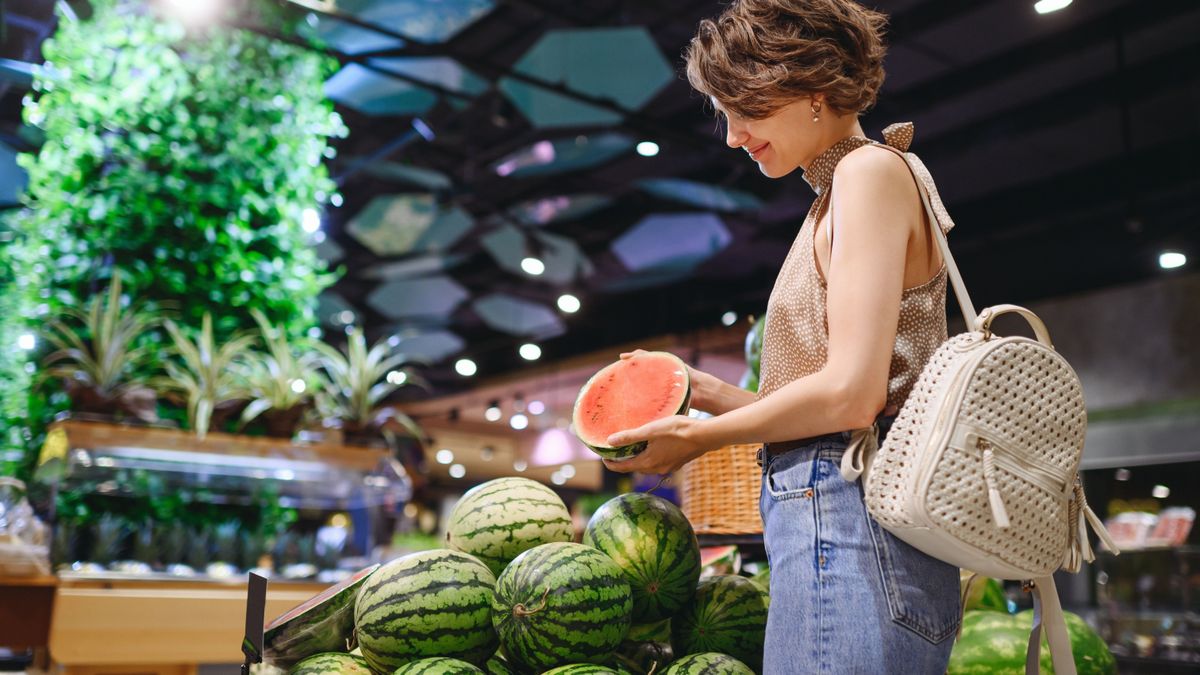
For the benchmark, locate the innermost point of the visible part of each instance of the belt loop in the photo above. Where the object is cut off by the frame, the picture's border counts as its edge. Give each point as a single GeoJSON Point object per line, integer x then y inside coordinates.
{"type": "Point", "coordinates": [758, 456]}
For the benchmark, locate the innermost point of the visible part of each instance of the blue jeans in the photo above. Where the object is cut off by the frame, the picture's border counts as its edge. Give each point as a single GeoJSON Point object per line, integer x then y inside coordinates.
{"type": "Point", "coordinates": [846, 595]}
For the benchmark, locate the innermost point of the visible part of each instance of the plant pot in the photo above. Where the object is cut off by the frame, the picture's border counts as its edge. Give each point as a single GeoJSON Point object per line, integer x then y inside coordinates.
{"type": "Point", "coordinates": [224, 412]}
{"type": "Point", "coordinates": [138, 402]}
{"type": "Point", "coordinates": [283, 423]}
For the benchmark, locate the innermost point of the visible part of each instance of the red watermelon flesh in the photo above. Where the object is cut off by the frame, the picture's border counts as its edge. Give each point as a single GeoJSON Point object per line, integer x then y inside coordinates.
{"type": "Point", "coordinates": [626, 395]}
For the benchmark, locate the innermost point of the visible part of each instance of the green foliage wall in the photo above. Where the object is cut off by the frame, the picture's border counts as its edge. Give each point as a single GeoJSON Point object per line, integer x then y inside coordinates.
{"type": "Point", "coordinates": [183, 161]}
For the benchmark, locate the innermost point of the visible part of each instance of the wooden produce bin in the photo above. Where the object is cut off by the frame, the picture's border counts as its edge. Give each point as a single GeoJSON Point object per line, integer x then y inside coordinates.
{"type": "Point", "coordinates": [144, 627]}
{"type": "Point", "coordinates": [25, 605]}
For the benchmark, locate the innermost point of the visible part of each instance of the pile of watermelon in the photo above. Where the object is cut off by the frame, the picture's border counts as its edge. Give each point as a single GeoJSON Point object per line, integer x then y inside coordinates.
{"type": "Point", "coordinates": [511, 594]}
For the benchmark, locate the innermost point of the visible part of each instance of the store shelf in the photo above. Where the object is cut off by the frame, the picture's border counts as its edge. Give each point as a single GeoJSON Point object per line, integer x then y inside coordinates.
{"type": "Point", "coordinates": [1137, 665]}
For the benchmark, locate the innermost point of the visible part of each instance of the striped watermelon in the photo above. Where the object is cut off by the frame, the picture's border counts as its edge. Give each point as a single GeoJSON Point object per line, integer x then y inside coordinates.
{"type": "Point", "coordinates": [708, 663]}
{"type": "Point", "coordinates": [500, 519]}
{"type": "Point", "coordinates": [996, 643]}
{"type": "Point", "coordinates": [322, 624]}
{"type": "Point", "coordinates": [654, 545]}
{"type": "Point", "coordinates": [728, 615]}
{"type": "Point", "coordinates": [498, 666]}
{"type": "Point", "coordinates": [626, 395]}
{"type": "Point", "coordinates": [587, 669]}
{"type": "Point", "coordinates": [331, 664]}
{"type": "Point", "coordinates": [985, 593]}
{"type": "Point", "coordinates": [438, 666]}
{"type": "Point", "coordinates": [432, 603]}
{"type": "Point", "coordinates": [561, 603]}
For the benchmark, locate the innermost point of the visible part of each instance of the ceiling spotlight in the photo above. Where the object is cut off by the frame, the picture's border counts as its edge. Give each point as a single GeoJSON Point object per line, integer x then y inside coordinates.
{"type": "Point", "coordinates": [1169, 260]}
{"type": "Point", "coordinates": [1047, 6]}
{"type": "Point", "coordinates": [310, 220]}
{"type": "Point", "coordinates": [518, 421]}
{"type": "Point", "coordinates": [567, 470]}
{"type": "Point", "coordinates": [397, 377]}
{"type": "Point", "coordinates": [1122, 475]}
{"type": "Point", "coordinates": [520, 465]}
{"type": "Point", "coordinates": [729, 318]}
{"type": "Point", "coordinates": [534, 267]}
{"type": "Point", "coordinates": [445, 456]}
{"type": "Point", "coordinates": [557, 478]}
{"type": "Point", "coordinates": [458, 471]}
{"type": "Point", "coordinates": [345, 317]}
{"type": "Point", "coordinates": [319, 237]}
{"type": "Point", "coordinates": [26, 341]}
{"type": "Point", "coordinates": [536, 407]}
{"type": "Point", "coordinates": [335, 199]}
{"type": "Point", "coordinates": [530, 351]}
{"type": "Point", "coordinates": [1160, 492]}
{"type": "Point", "coordinates": [493, 412]}
{"type": "Point", "coordinates": [647, 148]}
{"type": "Point", "coordinates": [568, 303]}
{"type": "Point", "coordinates": [298, 386]}
{"type": "Point", "coordinates": [465, 367]}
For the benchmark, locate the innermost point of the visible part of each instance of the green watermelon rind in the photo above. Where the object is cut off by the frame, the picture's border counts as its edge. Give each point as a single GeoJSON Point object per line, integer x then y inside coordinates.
{"type": "Point", "coordinates": [727, 616]}
{"type": "Point", "coordinates": [426, 604]}
{"type": "Point", "coordinates": [996, 642]}
{"type": "Point", "coordinates": [626, 451]}
{"type": "Point", "coordinates": [331, 664]}
{"type": "Point", "coordinates": [708, 663]}
{"type": "Point", "coordinates": [438, 665]}
{"type": "Point", "coordinates": [320, 625]}
{"type": "Point", "coordinates": [655, 546]}
{"type": "Point", "coordinates": [578, 601]}
{"type": "Point", "coordinates": [587, 669]}
{"type": "Point", "coordinates": [498, 520]}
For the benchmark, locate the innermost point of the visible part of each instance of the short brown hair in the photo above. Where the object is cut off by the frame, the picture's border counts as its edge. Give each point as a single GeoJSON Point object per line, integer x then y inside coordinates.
{"type": "Point", "coordinates": [760, 55]}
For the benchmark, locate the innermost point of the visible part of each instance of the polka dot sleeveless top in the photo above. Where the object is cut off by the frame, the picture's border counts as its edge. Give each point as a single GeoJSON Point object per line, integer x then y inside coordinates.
{"type": "Point", "coordinates": [796, 337]}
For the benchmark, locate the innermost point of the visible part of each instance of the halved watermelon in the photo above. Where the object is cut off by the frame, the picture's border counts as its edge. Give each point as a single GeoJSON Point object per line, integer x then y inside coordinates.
{"type": "Point", "coordinates": [626, 395]}
{"type": "Point", "coordinates": [321, 624]}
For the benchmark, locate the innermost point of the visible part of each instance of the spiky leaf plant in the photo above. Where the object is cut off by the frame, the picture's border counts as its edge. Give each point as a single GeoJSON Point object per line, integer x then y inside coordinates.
{"type": "Point", "coordinates": [145, 547]}
{"type": "Point", "coordinates": [251, 549]}
{"type": "Point", "coordinates": [211, 376]}
{"type": "Point", "coordinates": [175, 543]}
{"type": "Point", "coordinates": [107, 536]}
{"type": "Point", "coordinates": [281, 380]}
{"type": "Point", "coordinates": [198, 549]}
{"type": "Point", "coordinates": [96, 358]}
{"type": "Point", "coordinates": [357, 382]}
{"type": "Point", "coordinates": [227, 542]}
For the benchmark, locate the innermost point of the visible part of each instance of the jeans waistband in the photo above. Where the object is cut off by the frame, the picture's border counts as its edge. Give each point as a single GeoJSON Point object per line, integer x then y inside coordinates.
{"type": "Point", "coordinates": [884, 422]}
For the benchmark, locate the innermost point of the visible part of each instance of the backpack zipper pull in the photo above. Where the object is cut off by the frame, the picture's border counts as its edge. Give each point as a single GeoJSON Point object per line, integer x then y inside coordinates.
{"type": "Point", "coordinates": [999, 513]}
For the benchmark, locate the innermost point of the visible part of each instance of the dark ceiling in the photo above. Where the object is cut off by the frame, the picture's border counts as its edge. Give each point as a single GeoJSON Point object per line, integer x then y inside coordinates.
{"type": "Point", "coordinates": [1065, 147]}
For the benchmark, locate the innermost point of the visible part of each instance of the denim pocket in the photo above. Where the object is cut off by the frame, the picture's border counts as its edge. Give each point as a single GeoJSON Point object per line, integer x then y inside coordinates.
{"type": "Point", "coordinates": [791, 475]}
{"type": "Point", "coordinates": [922, 591]}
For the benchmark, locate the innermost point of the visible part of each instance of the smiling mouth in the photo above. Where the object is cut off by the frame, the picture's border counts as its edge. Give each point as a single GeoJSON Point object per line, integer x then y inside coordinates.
{"type": "Point", "coordinates": [754, 151]}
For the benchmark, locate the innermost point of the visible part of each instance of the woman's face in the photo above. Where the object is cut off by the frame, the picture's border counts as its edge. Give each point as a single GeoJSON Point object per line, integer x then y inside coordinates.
{"type": "Point", "coordinates": [778, 144]}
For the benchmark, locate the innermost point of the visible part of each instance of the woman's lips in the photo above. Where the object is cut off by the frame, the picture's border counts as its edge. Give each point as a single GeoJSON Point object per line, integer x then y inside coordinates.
{"type": "Point", "coordinates": [756, 151]}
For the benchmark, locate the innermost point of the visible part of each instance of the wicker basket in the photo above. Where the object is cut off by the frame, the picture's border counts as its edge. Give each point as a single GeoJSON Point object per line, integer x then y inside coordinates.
{"type": "Point", "coordinates": [720, 491]}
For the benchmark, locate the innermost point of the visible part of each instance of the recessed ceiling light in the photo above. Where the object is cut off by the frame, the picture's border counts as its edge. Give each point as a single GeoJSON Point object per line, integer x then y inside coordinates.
{"type": "Point", "coordinates": [310, 220]}
{"type": "Point", "coordinates": [397, 377]}
{"type": "Point", "coordinates": [647, 148]}
{"type": "Point", "coordinates": [518, 421]}
{"type": "Point", "coordinates": [568, 303]}
{"type": "Point", "coordinates": [1169, 260]}
{"type": "Point", "coordinates": [536, 407]}
{"type": "Point", "coordinates": [534, 267]}
{"type": "Point", "coordinates": [27, 341]}
{"type": "Point", "coordinates": [298, 386]}
{"type": "Point", "coordinates": [567, 470]}
{"type": "Point", "coordinates": [729, 318]}
{"type": "Point", "coordinates": [458, 471]}
{"type": "Point", "coordinates": [493, 412]}
{"type": "Point", "coordinates": [520, 465]}
{"type": "Point", "coordinates": [1160, 492]}
{"type": "Point", "coordinates": [335, 199]}
{"type": "Point", "coordinates": [530, 351]}
{"type": "Point", "coordinates": [445, 456]}
{"type": "Point", "coordinates": [1122, 475]}
{"type": "Point", "coordinates": [465, 367]}
{"type": "Point", "coordinates": [1047, 6]}
{"type": "Point", "coordinates": [557, 478]}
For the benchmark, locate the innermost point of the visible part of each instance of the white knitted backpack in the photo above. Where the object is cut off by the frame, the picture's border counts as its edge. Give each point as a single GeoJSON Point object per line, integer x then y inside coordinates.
{"type": "Point", "coordinates": [980, 467]}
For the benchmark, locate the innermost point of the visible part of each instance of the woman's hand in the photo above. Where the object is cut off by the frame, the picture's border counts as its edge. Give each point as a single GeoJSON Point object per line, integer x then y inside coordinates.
{"type": "Point", "coordinates": [671, 443]}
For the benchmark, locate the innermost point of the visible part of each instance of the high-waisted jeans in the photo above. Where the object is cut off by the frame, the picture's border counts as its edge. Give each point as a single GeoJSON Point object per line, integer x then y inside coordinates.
{"type": "Point", "coordinates": [846, 595]}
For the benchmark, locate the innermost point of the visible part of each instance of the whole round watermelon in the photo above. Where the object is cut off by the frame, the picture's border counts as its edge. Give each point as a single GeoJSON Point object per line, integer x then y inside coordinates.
{"type": "Point", "coordinates": [995, 642]}
{"type": "Point", "coordinates": [438, 666]}
{"type": "Point", "coordinates": [432, 603]}
{"type": "Point", "coordinates": [331, 664]}
{"type": "Point", "coordinates": [654, 545]}
{"type": "Point", "coordinates": [985, 593]}
{"type": "Point", "coordinates": [728, 615]}
{"type": "Point", "coordinates": [498, 666]}
{"type": "Point", "coordinates": [708, 663]}
{"type": "Point", "coordinates": [320, 625]}
{"type": "Point", "coordinates": [502, 518]}
{"type": "Point", "coordinates": [561, 603]}
{"type": "Point", "coordinates": [587, 669]}
{"type": "Point", "coordinates": [754, 343]}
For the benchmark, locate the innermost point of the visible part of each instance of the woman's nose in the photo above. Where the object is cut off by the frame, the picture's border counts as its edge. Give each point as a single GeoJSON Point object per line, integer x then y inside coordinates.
{"type": "Point", "coordinates": [735, 135]}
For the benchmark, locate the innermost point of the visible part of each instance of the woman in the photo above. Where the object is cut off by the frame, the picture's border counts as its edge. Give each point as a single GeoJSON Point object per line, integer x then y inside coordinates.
{"type": "Point", "coordinates": [856, 312]}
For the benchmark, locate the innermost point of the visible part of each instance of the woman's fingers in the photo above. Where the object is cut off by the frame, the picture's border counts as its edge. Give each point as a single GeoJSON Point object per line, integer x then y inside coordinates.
{"type": "Point", "coordinates": [629, 355]}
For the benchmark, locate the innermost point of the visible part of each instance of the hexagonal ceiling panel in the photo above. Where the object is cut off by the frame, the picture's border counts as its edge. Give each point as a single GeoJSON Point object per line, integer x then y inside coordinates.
{"type": "Point", "coordinates": [701, 195]}
{"type": "Point", "coordinates": [426, 179]}
{"type": "Point", "coordinates": [431, 346]}
{"type": "Point", "coordinates": [328, 249]}
{"type": "Point", "coordinates": [563, 259]}
{"type": "Point", "coordinates": [373, 92]}
{"type": "Point", "coordinates": [563, 154]}
{"type": "Point", "coordinates": [407, 223]}
{"type": "Point", "coordinates": [414, 266]}
{"type": "Point", "coordinates": [558, 209]}
{"type": "Point", "coordinates": [512, 315]}
{"type": "Point", "coordinates": [332, 309]}
{"type": "Point", "coordinates": [426, 297]}
{"type": "Point", "coordinates": [12, 177]}
{"type": "Point", "coordinates": [622, 64]}
{"type": "Point", "coordinates": [671, 241]}
{"type": "Point", "coordinates": [421, 20]}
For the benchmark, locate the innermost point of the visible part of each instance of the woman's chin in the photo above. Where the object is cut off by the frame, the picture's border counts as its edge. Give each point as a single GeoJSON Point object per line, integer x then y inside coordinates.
{"type": "Point", "coordinates": [774, 170]}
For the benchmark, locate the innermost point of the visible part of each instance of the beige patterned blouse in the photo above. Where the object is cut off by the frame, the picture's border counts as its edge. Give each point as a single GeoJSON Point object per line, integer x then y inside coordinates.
{"type": "Point", "coordinates": [796, 341]}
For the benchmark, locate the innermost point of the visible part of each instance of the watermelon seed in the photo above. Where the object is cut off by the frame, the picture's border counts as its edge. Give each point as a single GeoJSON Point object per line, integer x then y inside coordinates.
{"type": "Point", "coordinates": [520, 611]}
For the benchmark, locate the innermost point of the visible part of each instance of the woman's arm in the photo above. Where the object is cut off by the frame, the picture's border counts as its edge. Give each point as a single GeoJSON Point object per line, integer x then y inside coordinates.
{"type": "Point", "coordinates": [716, 396]}
{"type": "Point", "coordinates": [873, 198]}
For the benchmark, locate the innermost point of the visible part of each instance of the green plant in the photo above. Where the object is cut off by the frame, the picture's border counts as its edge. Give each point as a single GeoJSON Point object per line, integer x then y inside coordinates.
{"type": "Point", "coordinates": [107, 533]}
{"type": "Point", "coordinates": [357, 382]}
{"type": "Point", "coordinates": [281, 380]}
{"type": "Point", "coordinates": [96, 358]}
{"type": "Point", "coordinates": [226, 541]}
{"type": "Point", "coordinates": [209, 378]}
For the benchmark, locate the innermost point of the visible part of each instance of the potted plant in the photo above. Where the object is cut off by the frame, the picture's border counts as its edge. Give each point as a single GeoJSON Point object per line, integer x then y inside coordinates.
{"type": "Point", "coordinates": [281, 382]}
{"type": "Point", "coordinates": [210, 382]}
{"type": "Point", "coordinates": [96, 358]}
{"type": "Point", "coordinates": [357, 382]}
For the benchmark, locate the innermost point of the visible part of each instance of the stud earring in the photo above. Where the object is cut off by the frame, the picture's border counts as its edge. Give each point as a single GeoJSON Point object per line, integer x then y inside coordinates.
{"type": "Point", "coordinates": [816, 111]}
